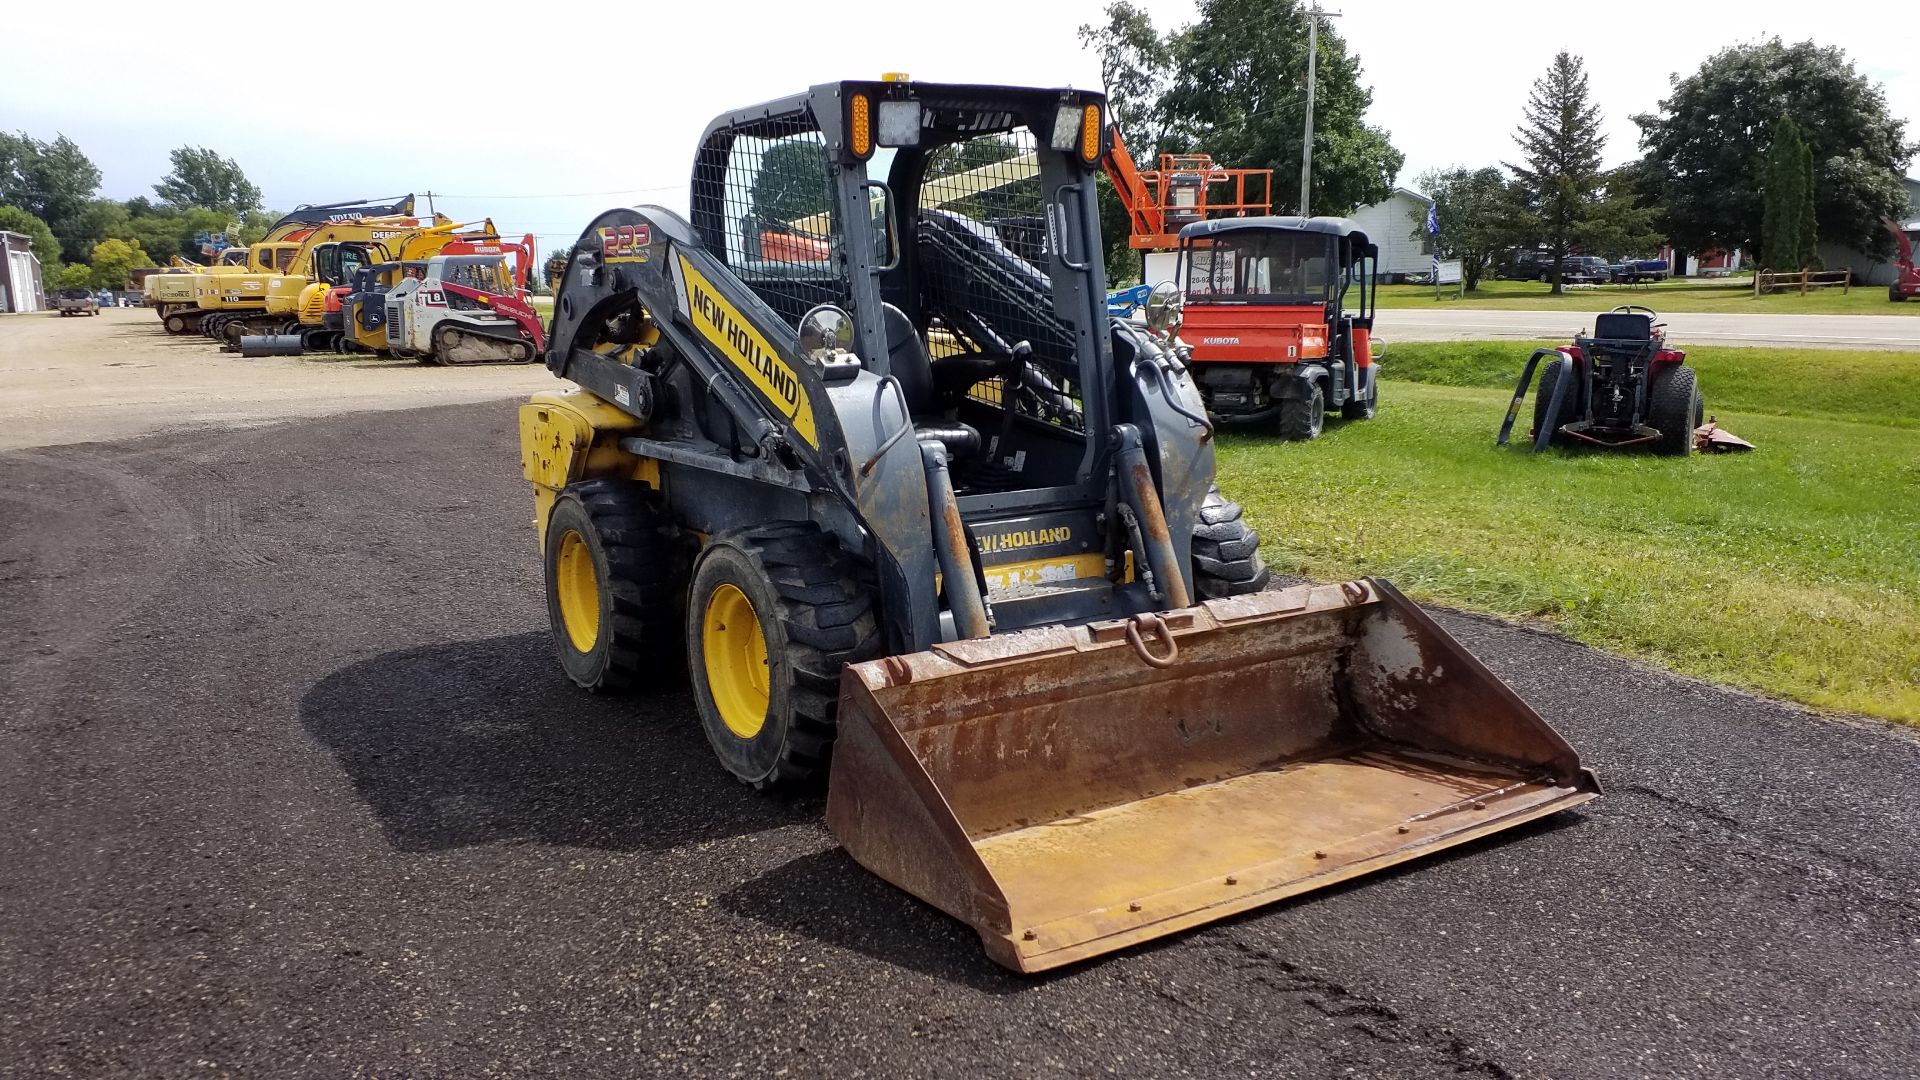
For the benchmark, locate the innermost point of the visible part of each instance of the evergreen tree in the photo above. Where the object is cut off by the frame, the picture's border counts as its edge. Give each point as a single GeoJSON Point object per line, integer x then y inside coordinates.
{"type": "Point", "coordinates": [1560, 142]}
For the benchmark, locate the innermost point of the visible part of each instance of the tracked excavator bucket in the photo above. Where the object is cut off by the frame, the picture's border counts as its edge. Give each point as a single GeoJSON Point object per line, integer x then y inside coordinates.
{"type": "Point", "coordinates": [1068, 791]}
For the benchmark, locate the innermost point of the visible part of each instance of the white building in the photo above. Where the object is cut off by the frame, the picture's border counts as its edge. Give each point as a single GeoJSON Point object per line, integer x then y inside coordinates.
{"type": "Point", "coordinates": [20, 288]}
{"type": "Point", "coordinates": [1871, 269]}
{"type": "Point", "coordinates": [1395, 226]}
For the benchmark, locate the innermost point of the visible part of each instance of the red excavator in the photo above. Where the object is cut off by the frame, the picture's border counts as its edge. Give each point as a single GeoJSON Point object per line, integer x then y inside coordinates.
{"type": "Point", "coordinates": [1908, 283]}
{"type": "Point", "coordinates": [1277, 312]}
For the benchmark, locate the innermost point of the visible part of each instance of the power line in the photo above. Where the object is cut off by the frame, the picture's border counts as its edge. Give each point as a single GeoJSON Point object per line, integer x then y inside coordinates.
{"type": "Point", "coordinates": [566, 195]}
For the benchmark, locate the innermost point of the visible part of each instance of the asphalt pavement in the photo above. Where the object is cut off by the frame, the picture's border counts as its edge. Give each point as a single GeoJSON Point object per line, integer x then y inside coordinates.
{"type": "Point", "coordinates": [292, 786]}
{"type": "Point", "coordinates": [1771, 331]}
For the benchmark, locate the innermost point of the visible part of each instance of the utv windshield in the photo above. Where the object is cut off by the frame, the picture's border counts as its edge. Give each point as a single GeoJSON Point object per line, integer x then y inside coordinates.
{"type": "Point", "coordinates": [1267, 266]}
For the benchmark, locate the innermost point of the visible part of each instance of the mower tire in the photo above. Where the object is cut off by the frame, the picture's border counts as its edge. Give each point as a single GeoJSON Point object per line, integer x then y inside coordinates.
{"type": "Point", "coordinates": [1675, 409]}
{"type": "Point", "coordinates": [613, 587]}
{"type": "Point", "coordinates": [1226, 551]}
{"type": "Point", "coordinates": [1543, 396]}
{"type": "Point", "coordinates": [1302, 418]}
{"type": "Point", "coordinates": [774, 612]}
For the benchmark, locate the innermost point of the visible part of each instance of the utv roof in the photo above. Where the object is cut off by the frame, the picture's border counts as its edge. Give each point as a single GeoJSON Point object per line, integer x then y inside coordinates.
{"type": "Point", "coordinates": [1331, 226]}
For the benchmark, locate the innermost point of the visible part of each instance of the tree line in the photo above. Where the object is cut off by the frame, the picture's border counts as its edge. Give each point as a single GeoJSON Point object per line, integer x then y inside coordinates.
{"type": "Point", "coordinates": [1769, 148]}
{"type": "Point", "coordinates": [49, 191]}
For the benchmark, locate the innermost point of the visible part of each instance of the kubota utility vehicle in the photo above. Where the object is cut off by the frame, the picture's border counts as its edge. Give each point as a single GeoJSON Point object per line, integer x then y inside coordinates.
{"type": "Point", "coordinates": [1908, 283]}
{"type": "Point", "coordinates": [920, 516]}
{"type": "Point", "coordinates": [1278, 311]}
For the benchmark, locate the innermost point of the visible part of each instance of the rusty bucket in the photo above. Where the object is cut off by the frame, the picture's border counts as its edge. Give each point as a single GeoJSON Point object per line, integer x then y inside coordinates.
{"type": "Point", "coordinates": [1068, 791]}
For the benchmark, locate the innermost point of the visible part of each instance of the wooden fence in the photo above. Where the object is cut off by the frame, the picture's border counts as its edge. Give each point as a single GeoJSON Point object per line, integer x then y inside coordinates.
{"type": "Point", "coordinates": [1765, 281]}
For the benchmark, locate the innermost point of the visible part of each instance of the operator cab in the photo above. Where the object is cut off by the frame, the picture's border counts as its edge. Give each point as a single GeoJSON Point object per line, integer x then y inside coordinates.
{"type": "Point", "coordinates": [975, 308]}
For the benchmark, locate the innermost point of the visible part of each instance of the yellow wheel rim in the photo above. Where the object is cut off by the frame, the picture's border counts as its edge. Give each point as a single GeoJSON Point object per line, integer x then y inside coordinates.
{"type": "Point", "coordinates": [736, 659]}
{"type": "Point", "coordinates": [579, 590]}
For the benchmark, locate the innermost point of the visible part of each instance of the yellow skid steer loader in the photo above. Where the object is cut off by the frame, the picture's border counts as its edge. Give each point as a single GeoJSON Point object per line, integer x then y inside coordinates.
{"type": "Point", "coordinates": [858, 448]}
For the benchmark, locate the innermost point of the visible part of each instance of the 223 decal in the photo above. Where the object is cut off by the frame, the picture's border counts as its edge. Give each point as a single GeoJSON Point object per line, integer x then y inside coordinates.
{"type": "Point", "coordinates": [626, 243]}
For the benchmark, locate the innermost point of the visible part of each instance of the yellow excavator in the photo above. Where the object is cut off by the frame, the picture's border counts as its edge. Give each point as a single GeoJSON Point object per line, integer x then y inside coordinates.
{"type": "Point", "coordinates": [990, 592]}
{"type": "Point", "coordinates": [237, 307]}
{"type": "Point", "coordinates": [177, 296]}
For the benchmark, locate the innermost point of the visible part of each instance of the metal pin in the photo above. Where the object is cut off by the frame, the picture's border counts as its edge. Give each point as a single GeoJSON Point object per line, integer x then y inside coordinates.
{"type": "Point", "coordinates": [1135, 906]}
{"type": "Point", "coordinates": [1028, 936]}
{"type": "Point", "coordinates": [1231, 880]}
{"type": "Point", "coordinates": [1319, 854]}
{"type": "Point", "coordinates": [1403, 828]}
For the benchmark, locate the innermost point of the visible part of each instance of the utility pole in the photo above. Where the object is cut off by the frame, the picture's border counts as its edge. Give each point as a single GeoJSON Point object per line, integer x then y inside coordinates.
{"type": "Point", "coordinates": [1306, 140]}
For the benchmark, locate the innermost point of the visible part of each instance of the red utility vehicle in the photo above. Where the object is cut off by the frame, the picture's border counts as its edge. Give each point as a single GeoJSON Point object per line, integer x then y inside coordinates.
{"type": "Point", "coordinates": [1908, 284]}
{"type": "Point", "coordinates": [1277, 312]}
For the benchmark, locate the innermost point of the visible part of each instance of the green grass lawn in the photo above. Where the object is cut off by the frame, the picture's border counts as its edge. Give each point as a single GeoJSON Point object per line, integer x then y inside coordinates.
{"type": "Point", "coordinates": [1691, 296]}
{"type": "Point", "coordinates": [1794, 570]}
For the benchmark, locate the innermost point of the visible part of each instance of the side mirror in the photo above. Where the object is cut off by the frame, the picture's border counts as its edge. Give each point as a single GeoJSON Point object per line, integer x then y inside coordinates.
{"type": "Point", "coordinates": [1164, 305]}
{"type": "Point", "coordinates": [824, 331]}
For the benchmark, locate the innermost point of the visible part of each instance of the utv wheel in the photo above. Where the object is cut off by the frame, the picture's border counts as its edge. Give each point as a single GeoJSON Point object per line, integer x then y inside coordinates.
{"type": "Point", "coordinates": [1302, 418]}
{"type": "Point", "coordinates": [1226, 551]}
{"type": "Point", "coordinates": [773, 615]}
{"type": "Point", "coordinates": [1363, 410]}
{"type": "Point", "coordinates": [1543, 396]}
{"type": "Point", "coordinates": [1672, 410]}
{"type": "Point", "coordinates": [612, 595]}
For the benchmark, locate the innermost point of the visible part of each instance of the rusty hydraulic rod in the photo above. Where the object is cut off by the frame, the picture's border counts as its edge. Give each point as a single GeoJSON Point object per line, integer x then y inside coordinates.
{"type": "Point", "coordinates": [1143, 497]}
{"type": "Point", "coordinates": [950, 545]}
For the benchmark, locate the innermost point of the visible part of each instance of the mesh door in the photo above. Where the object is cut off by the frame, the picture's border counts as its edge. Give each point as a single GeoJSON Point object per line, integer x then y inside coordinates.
{"type": "Point", "coordinates": [763, 200]}
{"type": "Point", "coordinates": [982, 247]}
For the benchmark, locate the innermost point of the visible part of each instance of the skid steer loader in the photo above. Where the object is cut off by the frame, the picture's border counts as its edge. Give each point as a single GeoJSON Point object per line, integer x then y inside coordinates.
{"type": "Point", "coordinates": [989, 589]}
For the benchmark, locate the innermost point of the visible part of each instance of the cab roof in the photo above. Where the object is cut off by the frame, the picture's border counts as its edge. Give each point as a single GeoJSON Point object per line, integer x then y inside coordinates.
{"type": "Point", "coordinates": [1330, 226]}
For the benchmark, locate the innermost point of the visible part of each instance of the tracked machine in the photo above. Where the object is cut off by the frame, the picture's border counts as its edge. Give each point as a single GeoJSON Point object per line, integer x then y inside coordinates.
{"type": "Point", "coordinates": [918, 518]}
{"type": "Point", "coordinates": [465, 309]}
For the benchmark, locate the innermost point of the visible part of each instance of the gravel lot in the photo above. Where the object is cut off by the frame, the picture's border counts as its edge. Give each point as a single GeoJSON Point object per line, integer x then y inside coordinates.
{"type": "Point", "coordinates": [293, 787]}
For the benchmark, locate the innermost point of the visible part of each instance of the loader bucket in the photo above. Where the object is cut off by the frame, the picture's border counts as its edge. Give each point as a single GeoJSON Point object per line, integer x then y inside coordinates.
{"type": "Point", "coordinates": [1068, 791]}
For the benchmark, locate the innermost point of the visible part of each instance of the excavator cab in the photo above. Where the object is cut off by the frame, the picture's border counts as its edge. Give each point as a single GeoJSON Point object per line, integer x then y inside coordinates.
{"type": "Point", "coordinates": [860, 441]}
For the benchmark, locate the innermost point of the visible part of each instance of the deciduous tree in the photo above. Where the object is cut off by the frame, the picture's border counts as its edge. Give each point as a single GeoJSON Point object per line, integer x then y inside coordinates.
{"type": "Point", "coordinates": [114, 261]}
{"type": "Point", "coordinates": [1704, 144]}
{"type": "Point", "coordinates": [202, 179]}
{"type": "Point", "coordinates": [1476, 211]}
{"type": "Point", "coordinates": [1235, 87]}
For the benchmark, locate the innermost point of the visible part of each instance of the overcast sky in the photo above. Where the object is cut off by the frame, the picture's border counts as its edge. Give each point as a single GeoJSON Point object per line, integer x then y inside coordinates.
{"type": "Point", "coordinates": [544, 114]}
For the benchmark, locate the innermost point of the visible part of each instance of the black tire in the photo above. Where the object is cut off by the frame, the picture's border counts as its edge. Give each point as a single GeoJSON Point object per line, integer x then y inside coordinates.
{"type": "Point", "coordinates": [1302, 418]}
{"type": "Point", "coordinates": [814, 617]}
{"type": "Point", "coordinates": [176, 324]}
{"type": "Point", "coordinates": [637, 579]}
{"type": "Point", "coordinates": [1363, 410]}
{"type": "Point", "coordinates": [1673, 405]}
{"type": "Point", "coordinates": [1543, 395]}
{"type": "Point", "coordinates": [1895, 295]}
{"type": "Point", "coordinates": [1226, 551]}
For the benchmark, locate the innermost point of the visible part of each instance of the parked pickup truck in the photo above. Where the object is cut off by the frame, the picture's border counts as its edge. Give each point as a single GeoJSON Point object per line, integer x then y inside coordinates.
{"type": "Point", "coordinates": [76, 302]}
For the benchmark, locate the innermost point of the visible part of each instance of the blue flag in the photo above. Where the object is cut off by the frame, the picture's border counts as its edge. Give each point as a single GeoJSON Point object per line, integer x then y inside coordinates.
{"type": "Point", "coordinates": [1433, 219]}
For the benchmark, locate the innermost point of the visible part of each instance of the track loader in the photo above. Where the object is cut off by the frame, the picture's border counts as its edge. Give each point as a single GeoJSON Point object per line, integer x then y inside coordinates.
{"type": "Point", "coordinates": [992, 595]}
{"type": "Point", "coordinates": [465, 309]}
